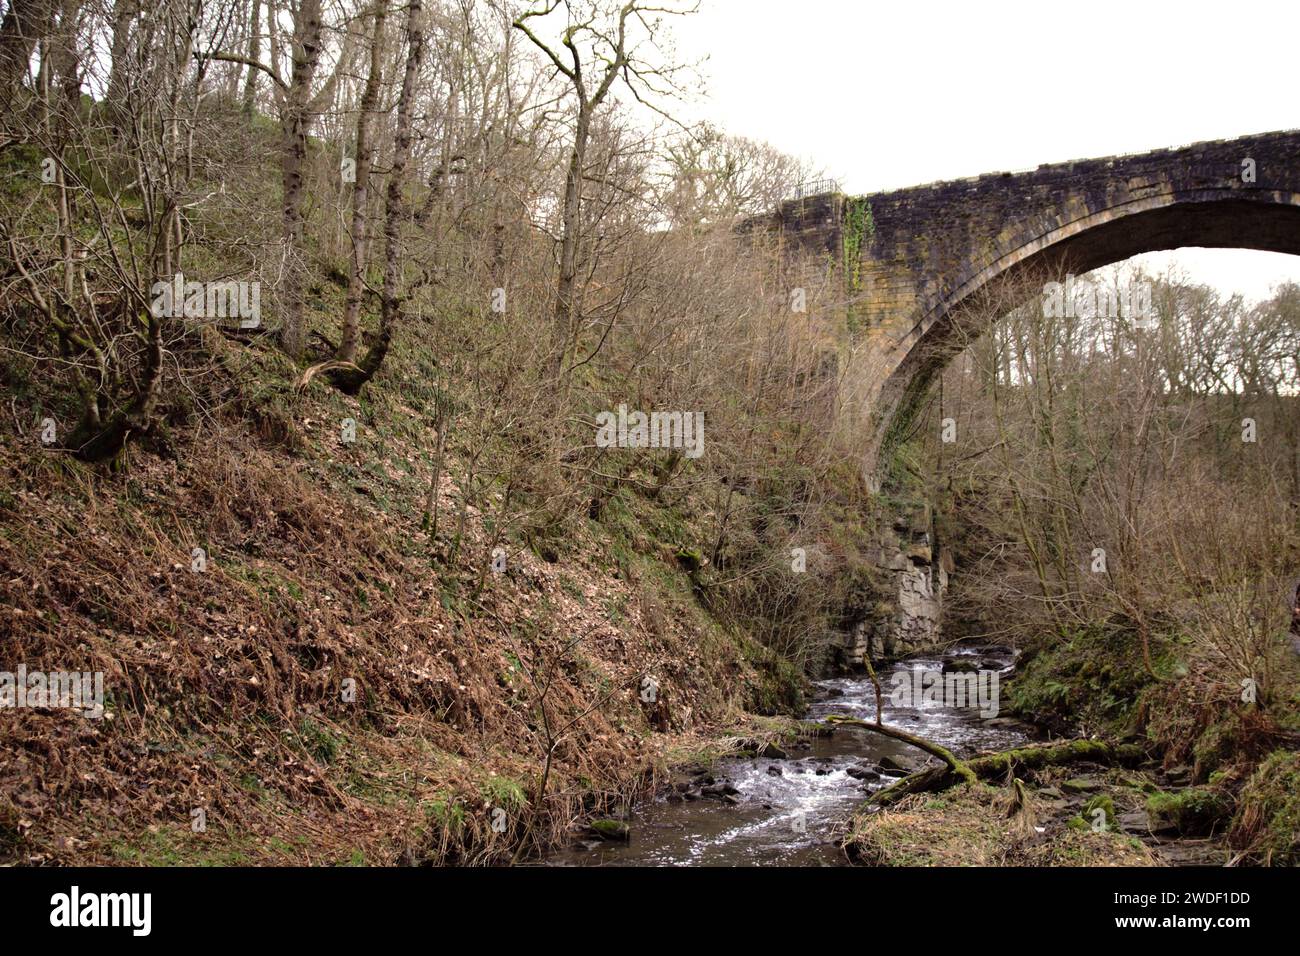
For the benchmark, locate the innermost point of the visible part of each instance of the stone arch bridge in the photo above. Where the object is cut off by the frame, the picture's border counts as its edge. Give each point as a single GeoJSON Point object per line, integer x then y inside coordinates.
{"type": "Point", "coordinates": [906, 263]}
{"type": "Point", "coordinates": [911, 258]}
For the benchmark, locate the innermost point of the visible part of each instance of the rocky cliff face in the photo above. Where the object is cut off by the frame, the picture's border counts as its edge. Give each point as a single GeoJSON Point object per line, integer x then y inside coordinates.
{"type": "Point", "coordinates": [907, 621]}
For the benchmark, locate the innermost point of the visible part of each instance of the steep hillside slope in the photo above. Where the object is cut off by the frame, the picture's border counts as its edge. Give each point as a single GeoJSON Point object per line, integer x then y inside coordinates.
{"type": "Point", "coordinates": [324, 689]}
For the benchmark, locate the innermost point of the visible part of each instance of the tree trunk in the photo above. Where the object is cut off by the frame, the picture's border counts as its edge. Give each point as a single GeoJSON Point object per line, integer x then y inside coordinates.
{"type": "Point", "coordinates": [992, 766]}
{"type": "Point", "coordinates": [396, 210]}
{"type": "Point", "coordinates": [565, 299]}
{"type": "Point", "coordinates": [65, 56]}
{"type": "Point", "coordinates": [123, 15]}
{"type": "Point", "coordinates": [294, 125]}
{"type": "Point", "coordinates": [953, 767]}
{"type": "Point", "coordinates": [254, 52]}
{"type": "Point", "coordinates": [347, 349]}
{"type": "Point", "coordinates": [24, 23]}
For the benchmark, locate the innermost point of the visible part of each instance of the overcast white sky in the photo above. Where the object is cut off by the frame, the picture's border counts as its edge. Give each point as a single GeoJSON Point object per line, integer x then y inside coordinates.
{"type": "Point", "coordinates": [885, 95]}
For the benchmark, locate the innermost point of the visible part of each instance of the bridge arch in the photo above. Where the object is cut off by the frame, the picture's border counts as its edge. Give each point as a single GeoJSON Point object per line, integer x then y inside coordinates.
{"type": "Point", "coordinates": [1229, 220]}
{"type": "Point", "coordinates": [929, 251]}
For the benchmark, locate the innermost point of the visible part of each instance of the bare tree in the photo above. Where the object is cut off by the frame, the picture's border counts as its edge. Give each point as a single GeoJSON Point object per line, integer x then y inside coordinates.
{"type": "Point", "coordinates": [101, 309]}
{"type": "Point", "coordinates": [298, 106]}
{"type": "Point", "coordinates": [598, 46]}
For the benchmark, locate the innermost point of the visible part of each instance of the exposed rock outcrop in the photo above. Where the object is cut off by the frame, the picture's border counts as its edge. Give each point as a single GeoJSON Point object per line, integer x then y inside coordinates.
{"type": "Point", "coordinates": [907, 621]}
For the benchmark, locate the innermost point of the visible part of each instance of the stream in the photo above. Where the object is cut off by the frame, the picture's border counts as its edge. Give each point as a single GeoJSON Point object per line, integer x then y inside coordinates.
{"type": "Point", "coordinates": [754, 811]}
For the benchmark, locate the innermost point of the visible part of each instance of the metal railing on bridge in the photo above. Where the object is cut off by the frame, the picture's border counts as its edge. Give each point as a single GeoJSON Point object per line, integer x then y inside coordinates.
{"type": "Point", "coordinates": [815, 187]}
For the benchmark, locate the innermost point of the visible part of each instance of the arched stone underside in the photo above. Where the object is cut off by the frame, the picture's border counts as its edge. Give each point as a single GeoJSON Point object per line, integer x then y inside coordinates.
{"type": "Point", "coordinates": [930, 251]}
{"type": "Point", "coordinates": [1225, 221]}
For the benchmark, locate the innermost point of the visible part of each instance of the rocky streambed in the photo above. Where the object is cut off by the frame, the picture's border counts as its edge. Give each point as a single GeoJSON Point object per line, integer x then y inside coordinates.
{"type": "Point", "coordinates": [789, 807]}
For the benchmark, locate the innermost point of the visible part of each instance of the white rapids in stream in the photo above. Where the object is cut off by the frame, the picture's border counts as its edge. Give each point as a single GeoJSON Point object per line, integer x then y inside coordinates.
{"type": "Point", "coordinates": [790, 812]}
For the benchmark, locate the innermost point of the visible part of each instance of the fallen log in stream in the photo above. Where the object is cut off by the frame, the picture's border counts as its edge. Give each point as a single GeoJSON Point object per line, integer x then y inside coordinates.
{"type": "Point", "coordinates": [954, 767]}
{"type": "Point", "coordinates": [1005, 763]}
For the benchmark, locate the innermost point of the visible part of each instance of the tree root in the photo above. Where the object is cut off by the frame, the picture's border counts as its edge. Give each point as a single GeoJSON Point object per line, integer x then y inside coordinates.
{"type": "Point", "coordinates": [333, 367]}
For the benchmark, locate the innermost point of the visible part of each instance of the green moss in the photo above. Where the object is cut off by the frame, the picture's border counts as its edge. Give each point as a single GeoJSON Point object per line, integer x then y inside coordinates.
{"type": "Point", "coordinates": [615, 830]}
{"type": "Point", "coordinates": [504, 792]}
{"type": "Point", "coordinates": [1195, 810]}
{"type": "Point", "coordinates": [1219, 743]}
{"type": "Point", "coordinates": [1103, 803]}
{"type": "Point", "coordinates": [690, 559]}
